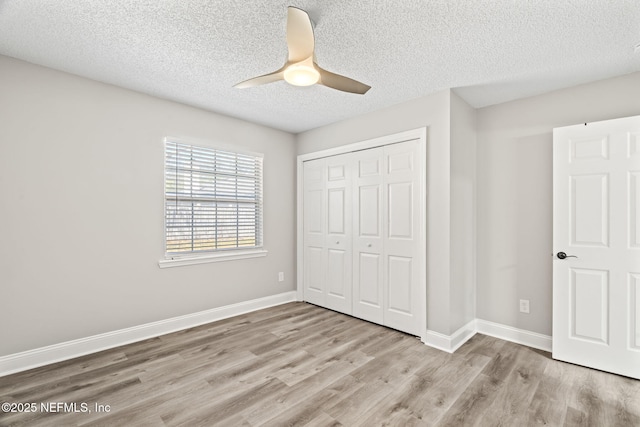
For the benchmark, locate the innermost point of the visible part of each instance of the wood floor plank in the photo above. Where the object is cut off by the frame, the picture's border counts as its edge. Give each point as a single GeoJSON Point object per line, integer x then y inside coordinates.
{"type": "Point", "coordinates": [516, 393]}
{"type": "Point", "coordinates": [574, 418]}
{"type": "Point", "coordinates": [27, 382]}
{"type": "Point", "coordinates": [323, 420]}
{"type": "Point", "coordinates": [472, 405]}
{"type": "Point", "coordinates": [334, 377]}
{"type": "Point", "coordinates": [351, 405]}
{"type": "Point", "coordinates": [150, 407]}
{"type": "Point", "coordinates": [437, 386]}
{"type": "Point", "coordinates": [298, 364]}
{"type": "Point", "coordinates": [549, 403]}
{"type": "Point", "coordinates": [216, 412]}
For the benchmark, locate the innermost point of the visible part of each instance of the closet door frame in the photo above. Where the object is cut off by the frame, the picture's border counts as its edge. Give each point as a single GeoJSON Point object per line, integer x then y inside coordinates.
{"type": "Point", "coordinates": [420, 135]}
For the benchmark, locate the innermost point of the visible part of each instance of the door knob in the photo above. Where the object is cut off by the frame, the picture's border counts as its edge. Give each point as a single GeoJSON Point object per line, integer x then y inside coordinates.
{"type": "Point", "coordinates": [562, 255]}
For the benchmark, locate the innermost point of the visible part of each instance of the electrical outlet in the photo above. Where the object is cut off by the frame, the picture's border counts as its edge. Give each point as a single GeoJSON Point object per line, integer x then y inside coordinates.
{"type": "Point", "coordinates": [281, 277]}
{"type": "Point", "coordinates": [524, 306]}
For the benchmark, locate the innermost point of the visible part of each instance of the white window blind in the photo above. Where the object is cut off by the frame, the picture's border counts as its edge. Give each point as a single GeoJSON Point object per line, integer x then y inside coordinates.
{"type": "Point", "coordinates": [213, 199]}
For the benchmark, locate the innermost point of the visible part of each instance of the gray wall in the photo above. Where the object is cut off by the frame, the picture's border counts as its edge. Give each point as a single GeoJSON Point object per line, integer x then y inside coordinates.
{"type": "Point", "coordinates": [463, 213]}
{"type": "Point", "coordinates": [514, 220]}
{"type": "Point", "coordinates": [81, 216]}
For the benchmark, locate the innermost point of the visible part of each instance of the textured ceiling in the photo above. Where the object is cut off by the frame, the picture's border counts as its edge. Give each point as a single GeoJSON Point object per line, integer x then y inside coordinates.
{"type": "Point", "coordinates": [194, 51]}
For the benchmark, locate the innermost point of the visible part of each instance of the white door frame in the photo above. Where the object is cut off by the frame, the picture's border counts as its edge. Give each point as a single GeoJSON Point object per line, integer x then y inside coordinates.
{"type": "Point", "coordinates": [421, 135]}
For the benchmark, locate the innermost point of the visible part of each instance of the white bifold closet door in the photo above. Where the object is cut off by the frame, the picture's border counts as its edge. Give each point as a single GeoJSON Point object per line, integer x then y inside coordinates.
{"type": "Point", "coordinates": [361, 213]}
{"type": "Point", "coordinates": [368, 261]}
{"type": "Point", "coordinates": [338, 236]}
{"type": "Point", "coordinates": [327, 233]}
{"type": "Point", "coordinates": [386, 209]}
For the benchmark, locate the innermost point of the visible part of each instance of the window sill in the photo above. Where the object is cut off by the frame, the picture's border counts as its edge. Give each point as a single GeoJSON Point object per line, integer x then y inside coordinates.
{"type": "Point", "coordinates": [217, 257]}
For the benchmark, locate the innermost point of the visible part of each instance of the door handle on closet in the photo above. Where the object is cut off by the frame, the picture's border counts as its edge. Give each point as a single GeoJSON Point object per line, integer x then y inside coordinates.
{"type": "Point", "coordinates": [562, 255]}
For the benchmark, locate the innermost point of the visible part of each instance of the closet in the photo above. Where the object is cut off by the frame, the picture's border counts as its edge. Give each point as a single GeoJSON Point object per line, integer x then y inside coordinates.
{"type": "Point", "coordinates": [363, 234]}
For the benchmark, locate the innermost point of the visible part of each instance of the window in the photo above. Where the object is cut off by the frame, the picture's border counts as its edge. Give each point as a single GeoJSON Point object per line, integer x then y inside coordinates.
{"type": "Point", "coordinates": [213, 200]}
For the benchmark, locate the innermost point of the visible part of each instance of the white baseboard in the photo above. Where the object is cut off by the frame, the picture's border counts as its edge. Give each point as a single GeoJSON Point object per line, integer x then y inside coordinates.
{"type": "Point", "coordinates": [450, 343]}
{"type": "Point", "coordinates": [29, 359]}
{"type": "Point", "coordinates": [509, 333]}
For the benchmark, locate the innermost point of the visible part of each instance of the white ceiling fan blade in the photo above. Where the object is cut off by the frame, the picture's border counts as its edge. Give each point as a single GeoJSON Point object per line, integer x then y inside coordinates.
{"type": "Point", "coordinates": [345, 84]}
{"type": "Point", "coordinates": [262, 80]}
{"type": "Point", "coordinates": [300, 39]}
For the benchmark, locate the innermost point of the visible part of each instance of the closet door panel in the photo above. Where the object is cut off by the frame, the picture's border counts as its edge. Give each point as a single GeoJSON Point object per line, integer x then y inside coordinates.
{"type": "Point", "coordinates": [315, 271]}
{"type": "Point", "coordinates": [400, 284]}
{"type": "Point", "coordinates": [315, 262]}
{"type": "Point", "coordinates": [338, 238]}
{"type": "Point", "coordinates": [336, 199]}
{"type": "Point", "coordinates": [367, 236]}
{"type": "Point", "coordinates": [400, 242]}
{"type": "Point", "coordinates": [400, 210]}
{"type": "Point", "coordinates": [337, 286]}
{"type": "Point", "coordinates": [370, 294]}
{"type": "Point", "coordinates": [369, 211]}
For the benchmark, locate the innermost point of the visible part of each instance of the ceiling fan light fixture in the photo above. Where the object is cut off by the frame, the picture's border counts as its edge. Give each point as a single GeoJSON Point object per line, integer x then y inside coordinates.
{"type": "Point", "coordinates": [301, 75]}
{"type": "Point", "coordinates": [300, 69]}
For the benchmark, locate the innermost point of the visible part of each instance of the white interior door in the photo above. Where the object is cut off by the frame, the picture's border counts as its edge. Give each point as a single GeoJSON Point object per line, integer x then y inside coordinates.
{"type": "Point", "coordinates": [314, 229]}
{"type": "Point", "coordinates": [401, 227]}
{"type": "Point", "coordinates": [596, 239]}
{"type": "Point", "coordinates": [368, 258]}
{"type": "Point", "coordinates": [338, 236]}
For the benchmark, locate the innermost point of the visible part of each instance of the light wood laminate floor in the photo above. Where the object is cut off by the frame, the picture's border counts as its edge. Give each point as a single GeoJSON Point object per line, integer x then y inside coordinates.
{"type": "Point", "coordinates": [297, 364]}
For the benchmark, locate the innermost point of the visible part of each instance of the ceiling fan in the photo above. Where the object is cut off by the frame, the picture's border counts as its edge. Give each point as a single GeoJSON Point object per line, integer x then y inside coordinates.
{"type": "Point", "coordinates": [301, 68]}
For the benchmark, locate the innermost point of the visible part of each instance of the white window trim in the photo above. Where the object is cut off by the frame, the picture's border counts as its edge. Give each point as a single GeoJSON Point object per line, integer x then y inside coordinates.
{"type": "Point", "coordinates": [177, 260]}
{"type": "Point", "coordinates": [229, 255]}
